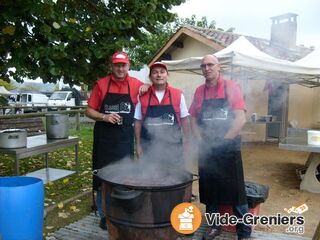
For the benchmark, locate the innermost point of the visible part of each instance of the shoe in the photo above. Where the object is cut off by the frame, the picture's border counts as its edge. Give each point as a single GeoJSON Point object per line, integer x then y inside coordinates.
{"type": "Point", "coordinates": [245, 238]}
{"type": "Point", "coordinates": [211, 233]}
{"type": "Point", "coordinates": [102, 223]}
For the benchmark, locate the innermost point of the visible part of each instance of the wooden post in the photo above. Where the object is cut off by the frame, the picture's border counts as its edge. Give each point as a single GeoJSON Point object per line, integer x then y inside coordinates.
{"type": "Point", "coordinates": [316, 235]}
{"type": "Point", "coordinates": [78, 121]}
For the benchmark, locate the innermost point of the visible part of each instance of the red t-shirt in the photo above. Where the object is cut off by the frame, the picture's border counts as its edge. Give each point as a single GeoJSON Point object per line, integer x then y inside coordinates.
{"type": "Point", "coordinates": [175, 97]}
{"type": "Point", "coordinates": [100, 90]}
{"type": "Point", "coordinates": [234, 96]}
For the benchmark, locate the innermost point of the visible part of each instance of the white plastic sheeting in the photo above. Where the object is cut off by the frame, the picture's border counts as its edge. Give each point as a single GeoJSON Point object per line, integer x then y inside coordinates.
{"type": "Point", "coordinates": [312, 60]}
{"type": "Point", "coordinates": [243, 60]}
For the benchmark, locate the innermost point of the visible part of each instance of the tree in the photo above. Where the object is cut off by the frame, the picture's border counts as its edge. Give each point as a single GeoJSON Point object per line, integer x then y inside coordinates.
{"type": "Point", "coordinates": [72, 40]}
{"type": "Point", "coordinates": [143, 50]}
{"type": "Point", "coordinates": [194, 22]}
{"type": "Point", "coordinates": [8, 85]}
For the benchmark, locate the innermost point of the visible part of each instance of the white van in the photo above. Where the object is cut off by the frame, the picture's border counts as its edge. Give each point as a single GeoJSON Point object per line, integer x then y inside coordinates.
{"type": "Point", "coordinates": [61, 98]}
{"type": "Point", "coordinates": [32, 100]}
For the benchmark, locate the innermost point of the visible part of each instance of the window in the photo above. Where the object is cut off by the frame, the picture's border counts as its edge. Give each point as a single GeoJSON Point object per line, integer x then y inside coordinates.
{"type": "Point", "coordinates": [58, 96]}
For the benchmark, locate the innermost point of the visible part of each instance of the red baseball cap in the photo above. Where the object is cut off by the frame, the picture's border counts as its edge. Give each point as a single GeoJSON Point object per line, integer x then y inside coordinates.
{"type": "Point", "coordinates": [158, 64]}
{"type": "Point", "coordinates": [120, 57]}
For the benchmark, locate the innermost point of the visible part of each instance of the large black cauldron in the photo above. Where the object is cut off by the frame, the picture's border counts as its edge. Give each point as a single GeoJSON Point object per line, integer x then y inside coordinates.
{"type": "Point", "coordinates": [140, 198]}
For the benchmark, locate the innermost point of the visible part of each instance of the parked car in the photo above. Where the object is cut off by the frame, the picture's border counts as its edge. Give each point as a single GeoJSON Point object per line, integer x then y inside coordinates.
{"type": "Point", "coordinates": [32, 100]}
{"type": "Point", "coordinates": [61, 98]}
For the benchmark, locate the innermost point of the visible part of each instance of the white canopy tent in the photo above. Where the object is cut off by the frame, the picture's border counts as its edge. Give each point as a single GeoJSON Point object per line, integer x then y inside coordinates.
{"type": "Point", "coordinates": [312, 60]}
{"type": "Point", "coordinates": [242, 60]}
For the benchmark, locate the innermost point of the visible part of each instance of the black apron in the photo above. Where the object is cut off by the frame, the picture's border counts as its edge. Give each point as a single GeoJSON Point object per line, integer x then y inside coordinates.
{"type": "Point", "coordinates": [220, 163]}
{"type": "Point", "coordinates": [161, 137]}
{"type": "Point", "coordinates": [113, 142]}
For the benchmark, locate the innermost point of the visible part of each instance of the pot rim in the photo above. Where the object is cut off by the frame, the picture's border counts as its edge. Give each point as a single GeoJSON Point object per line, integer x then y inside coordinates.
{"type": "Point", "coordinates": [149, 188]}
{"type": "Point", "coordinates": [107, 174]}
{"type": "Point", "coordinates": [153, 188]}
{"type": "Point", "coordinates": [13, 130]}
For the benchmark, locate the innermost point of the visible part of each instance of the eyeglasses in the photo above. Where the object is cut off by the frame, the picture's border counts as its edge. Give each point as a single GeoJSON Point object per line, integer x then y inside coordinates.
{"type": "Point", "coordinates": [209, 65]}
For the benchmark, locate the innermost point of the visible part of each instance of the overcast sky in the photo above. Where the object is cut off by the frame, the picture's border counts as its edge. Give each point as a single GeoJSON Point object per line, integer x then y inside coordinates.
{"type": "Point", "coordinates": [252, 17]}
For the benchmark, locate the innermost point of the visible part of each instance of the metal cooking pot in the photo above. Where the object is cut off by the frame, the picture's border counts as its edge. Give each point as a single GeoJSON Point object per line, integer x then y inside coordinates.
{"type": "Point", "coordinates": [57, 126]}
{"type": "Point", "coordinates": [142, 196]}
{"type": "Point", "coordinates": [13, 138]}
{"type": "Point", "coordinates": [144, 176]}
{"type": "Point", "coordinates": [127, 198]}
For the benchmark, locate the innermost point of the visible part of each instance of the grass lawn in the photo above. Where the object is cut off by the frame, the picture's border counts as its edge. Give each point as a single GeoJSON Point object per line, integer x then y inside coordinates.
{"type": "Point", "coordinates": [59, 191]}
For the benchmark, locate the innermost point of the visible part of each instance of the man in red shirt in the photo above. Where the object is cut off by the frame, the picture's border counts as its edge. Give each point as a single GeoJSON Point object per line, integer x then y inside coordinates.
{"type": "Point", "coordinates": [111, 105]}
{"type": "Point", "coordinates": [217, 116]}
{"type": "Point", "coordinates": [160, 116]}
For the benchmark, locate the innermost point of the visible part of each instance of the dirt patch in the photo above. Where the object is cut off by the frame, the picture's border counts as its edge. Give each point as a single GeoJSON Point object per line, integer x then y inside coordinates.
{"type": "Point", "coordinates": [266, 164]}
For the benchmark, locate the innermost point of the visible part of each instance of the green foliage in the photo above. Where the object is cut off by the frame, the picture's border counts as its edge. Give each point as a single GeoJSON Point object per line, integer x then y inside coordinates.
{"type": "Point", "coordinates": [194, 22]}
{"type": "Point", "coordinates": [143, 50]}
{"type": "Point", "coordinates": [3, 101]}
{"type": "Point", "coordinates": [73, 40]}
{"type": "Point", "coordinates": [8, 85]}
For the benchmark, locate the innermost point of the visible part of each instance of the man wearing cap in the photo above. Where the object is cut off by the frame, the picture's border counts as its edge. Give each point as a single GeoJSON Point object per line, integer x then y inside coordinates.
{"type": "Point", "coordinates": [217, 116]}
{"type": "Point", "coordinates": [160, 115]}
{"type": "Point", "coordinates": [111, 105]}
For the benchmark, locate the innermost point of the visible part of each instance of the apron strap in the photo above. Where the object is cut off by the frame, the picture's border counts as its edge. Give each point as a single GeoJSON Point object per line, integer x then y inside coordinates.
{"type": "Point", "coordinates": [109, 84]}
{"type": "Point", "coordinates": [225, 97]}
{"type": "Point", "coordinates": [170, 98]}
{"type": "Point", "coordinates": [149, 100]}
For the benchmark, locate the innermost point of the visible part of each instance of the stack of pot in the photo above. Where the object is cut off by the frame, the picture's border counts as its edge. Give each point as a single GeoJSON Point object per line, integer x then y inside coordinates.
{"type": "Point", "coordinates": [57, 126]}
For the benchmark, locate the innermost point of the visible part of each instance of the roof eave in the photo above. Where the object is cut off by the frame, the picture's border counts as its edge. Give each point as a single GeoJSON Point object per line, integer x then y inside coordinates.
{"type": "Point", "coordinates": [185, 31]}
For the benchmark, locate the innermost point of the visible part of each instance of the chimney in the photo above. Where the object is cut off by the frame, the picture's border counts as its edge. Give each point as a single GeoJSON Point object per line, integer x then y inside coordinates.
{"type": "Point", "coordinates": [284, 30]}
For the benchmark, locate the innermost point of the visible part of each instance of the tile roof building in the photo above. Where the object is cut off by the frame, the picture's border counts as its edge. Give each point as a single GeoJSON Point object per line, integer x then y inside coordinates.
{"type": "Point", "coordinates": [283, 27]}
{"type": "Point", "coordinates": [288, 102]}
